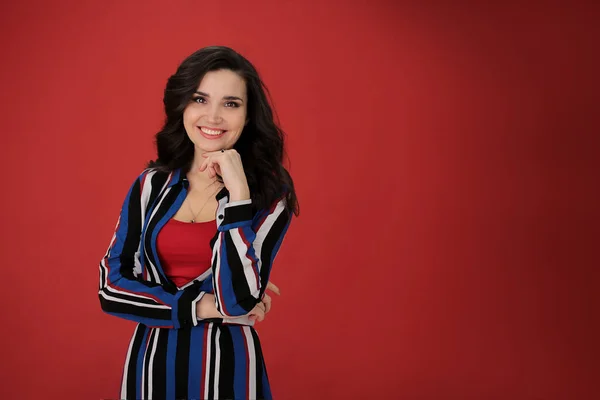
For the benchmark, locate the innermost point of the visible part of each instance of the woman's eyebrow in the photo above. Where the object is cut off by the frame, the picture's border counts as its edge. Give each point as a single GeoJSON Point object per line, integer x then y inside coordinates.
{"type": "Point", "coordinates": [224, 98]}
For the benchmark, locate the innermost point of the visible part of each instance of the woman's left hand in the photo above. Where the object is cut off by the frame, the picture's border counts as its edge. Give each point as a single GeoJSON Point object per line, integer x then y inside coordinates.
{"type": "Point", "coordinates": [228, 165]}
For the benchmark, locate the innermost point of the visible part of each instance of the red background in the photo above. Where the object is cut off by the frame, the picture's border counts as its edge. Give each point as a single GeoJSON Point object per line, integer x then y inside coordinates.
{"type": "Point", "coordinates": [445, 157]}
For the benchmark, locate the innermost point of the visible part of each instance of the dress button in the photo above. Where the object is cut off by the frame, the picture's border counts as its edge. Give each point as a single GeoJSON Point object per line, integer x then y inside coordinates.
{"type": "Point", "coordinates": [221, 216]}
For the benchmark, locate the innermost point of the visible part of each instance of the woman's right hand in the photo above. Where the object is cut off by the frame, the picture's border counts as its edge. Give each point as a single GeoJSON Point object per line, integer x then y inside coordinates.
{"type": "Point", "coordinates": [206, 308]}
{"type": "Point", "coordinates": [264, 306]}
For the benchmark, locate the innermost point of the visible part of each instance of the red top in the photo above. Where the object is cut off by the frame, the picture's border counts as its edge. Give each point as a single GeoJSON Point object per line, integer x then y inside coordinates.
{"type": "Point", "coordinates": [184, 249]}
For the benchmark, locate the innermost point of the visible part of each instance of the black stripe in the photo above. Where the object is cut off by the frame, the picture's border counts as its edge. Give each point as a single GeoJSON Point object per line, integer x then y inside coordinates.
{"type": "Point", "coordinates": [227, 360]}
{"type": "Point", "coordinates": [167, 201]}
{"type": "Point", "coordinates": [213, 354]}
{"type": "Point", "coordinates": [138, 342]}
{"type": "Point", "coordinates": [268, 247]}
{"type": "Point", "coordinates": [102, 276]}
{"type": "Point", "coordinates": [147, 361]}
{"type": "Point", "coordinates": [184, 304]}
{"type": "Point", "coordinates": [239, 282]}
{"type": "Point", "coordinates": [134, 230]}
{"type": "Point", "coordinates": [129, 297]}
{"type": "Point", "coordinates": [159, 368]}
{"type": "Point", "coordinates": [182, 362]}
{"type": "Point", "coordinates": [139, 311]}
{"type": "Point", "coordinates": [259, 364]}
{"type": "Point", "coordinates": [214, 239]}
{"type": "Point", "coordinates": [157, 181]}
{"type": "Point", "coordinates": [242, 212]}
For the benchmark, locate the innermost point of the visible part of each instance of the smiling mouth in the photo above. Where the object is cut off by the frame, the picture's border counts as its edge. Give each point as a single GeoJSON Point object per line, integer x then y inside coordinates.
{"type": "Point", "coordinates": [212, 132]}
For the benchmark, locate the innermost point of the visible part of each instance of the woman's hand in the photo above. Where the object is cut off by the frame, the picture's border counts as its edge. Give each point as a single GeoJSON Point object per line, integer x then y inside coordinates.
{"type": "Point", "coordinates": [260, 310]}
{"type": "Point", "coordinates": [206, 307]}
{"type": "Point", "coordinates": [228, 165]}
{"type": "Point", "coordinates": [264, 306]}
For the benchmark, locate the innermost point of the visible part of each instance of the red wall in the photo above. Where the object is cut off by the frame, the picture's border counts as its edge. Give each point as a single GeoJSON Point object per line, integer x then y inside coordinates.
{"type": "Point", "coordinates": [444, 160]}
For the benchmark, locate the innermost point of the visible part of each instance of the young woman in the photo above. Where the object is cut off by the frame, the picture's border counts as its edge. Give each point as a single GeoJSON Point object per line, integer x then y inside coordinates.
{"type": "Point", "coordinates": [197, 235]}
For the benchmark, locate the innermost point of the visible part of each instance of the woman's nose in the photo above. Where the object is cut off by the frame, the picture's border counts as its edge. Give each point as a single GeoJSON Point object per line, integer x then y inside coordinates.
{"type": "Point", "coordinates": [215, 115]}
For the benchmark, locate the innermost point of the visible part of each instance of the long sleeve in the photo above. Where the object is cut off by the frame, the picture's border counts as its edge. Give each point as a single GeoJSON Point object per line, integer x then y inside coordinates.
{"type": "Point", "coordinates": [123, 292]}
{"type": "Point", "coordinates": [244, 253]}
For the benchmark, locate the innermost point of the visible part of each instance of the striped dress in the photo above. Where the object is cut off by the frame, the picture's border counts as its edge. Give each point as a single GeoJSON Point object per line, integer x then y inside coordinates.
{"type": "Point", "coordinates": [173, 354]}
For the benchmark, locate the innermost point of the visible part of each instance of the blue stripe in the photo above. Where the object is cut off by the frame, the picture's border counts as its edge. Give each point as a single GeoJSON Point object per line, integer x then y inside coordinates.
{"type": "Point", "coordinates": [140, 365]}
{"type": "Point", "coordinates": [224, 286]}
{"type": "Point", "coordinates": [121, 233]}
{"type": "Point", "coordinates": [196, 372]}
{"type": "Point", "coordinates": [240, 377]}
{"type": "Point", "coordinates": [265, 384]}
{"type": "Point", "coordinates": [171, 353]}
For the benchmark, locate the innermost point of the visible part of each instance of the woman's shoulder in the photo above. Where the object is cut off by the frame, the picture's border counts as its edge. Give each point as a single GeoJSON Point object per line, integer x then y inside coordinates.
{"type": "Point", "coordinates": [153, 175]}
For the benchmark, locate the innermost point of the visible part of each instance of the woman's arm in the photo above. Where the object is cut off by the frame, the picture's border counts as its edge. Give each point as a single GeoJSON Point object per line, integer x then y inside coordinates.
{"type": "Point", "coordinates": [122, 292]}
{"type": "Point", "coordinates": [245, 251]}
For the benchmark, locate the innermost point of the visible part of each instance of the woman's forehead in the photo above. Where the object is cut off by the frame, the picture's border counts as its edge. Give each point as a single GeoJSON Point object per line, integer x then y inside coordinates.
{"type": "Point", "coordinates": [222, 83]}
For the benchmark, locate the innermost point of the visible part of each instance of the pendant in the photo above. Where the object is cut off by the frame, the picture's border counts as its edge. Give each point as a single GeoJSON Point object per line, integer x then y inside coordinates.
{"type": "Point", "coordinates": [192, 221]}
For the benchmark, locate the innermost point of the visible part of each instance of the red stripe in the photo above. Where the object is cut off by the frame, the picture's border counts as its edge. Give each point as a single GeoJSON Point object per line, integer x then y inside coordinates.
{"type": "Point", "coordinates": [271, 210]}
{"type": "Point", "coordinates": [253, 260]}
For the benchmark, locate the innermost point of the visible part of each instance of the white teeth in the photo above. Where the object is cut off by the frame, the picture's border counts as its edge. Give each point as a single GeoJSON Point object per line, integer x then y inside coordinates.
{"type": "Point", "coordinates": [210, 131]}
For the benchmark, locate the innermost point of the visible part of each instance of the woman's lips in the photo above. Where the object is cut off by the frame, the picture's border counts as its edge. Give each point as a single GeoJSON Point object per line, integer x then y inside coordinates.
{"type": "Point", "coordinates": [209, 136]}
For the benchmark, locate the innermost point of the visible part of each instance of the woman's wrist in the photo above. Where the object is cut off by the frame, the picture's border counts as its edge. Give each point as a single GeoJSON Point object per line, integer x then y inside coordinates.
{"type": "Point", "coordinates": [206, 308]}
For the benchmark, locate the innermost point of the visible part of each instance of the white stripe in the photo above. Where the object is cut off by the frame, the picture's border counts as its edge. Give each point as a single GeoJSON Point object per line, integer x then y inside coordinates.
{"type": "Point", "coordinates": [217, 363]}
{"type": "Point", "coordinates": [221, 210]}
{"type": "Point", "coordinates": [126, 369]}
{"type": "Point", "coordinates": [146, 191]}
{"type": "Point", "coordinates": [206, 372]}
{"type": "Point", "coordinates": [194, 303]}
{"type": "Point", "coordinates": [153, 270]}
{"type": "Point", "coordinates": [153, 351]}
{"type": "Point", "coordinates": [112, 289]}
{"type": "Point", "coordinates": [252, 362]}
{"type": "Point", "coordinates": [217, 272]}
{"type": "Point", "coordinates": [216, 253]}
{"type": "Point", "coordinates": [144, 198]}
{"type": "Point", "coordinates": [265, 228]}
{"type": "Point", "coordinates": [249, 271]}
{"type": "Point", "coordinates": [103, 294]}
{"type": "Point", "coordinates": [238, 203]}
{"type": "Point", "coordinates": [106, 288]}
{"type": "Point", "coordinates": [245, 320]}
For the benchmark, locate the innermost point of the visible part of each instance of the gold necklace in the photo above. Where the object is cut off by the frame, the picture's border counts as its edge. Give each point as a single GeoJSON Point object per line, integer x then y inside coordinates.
{"type": "Point", "coordinates": [209, 197]}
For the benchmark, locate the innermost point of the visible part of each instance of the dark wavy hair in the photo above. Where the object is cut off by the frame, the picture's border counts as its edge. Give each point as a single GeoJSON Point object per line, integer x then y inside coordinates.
{"type": "Point", "coordinates": [261, 144]}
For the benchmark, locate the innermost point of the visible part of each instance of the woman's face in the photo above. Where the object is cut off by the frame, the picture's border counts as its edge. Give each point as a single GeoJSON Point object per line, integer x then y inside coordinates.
{"type": "Point", "coordinates": [216, 115]}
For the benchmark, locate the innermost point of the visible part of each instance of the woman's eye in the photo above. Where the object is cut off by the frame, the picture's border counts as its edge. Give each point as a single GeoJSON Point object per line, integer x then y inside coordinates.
{"type": "Point", "coordinates": [198, 99]}
{"type": "Point", "coordinates": [231, 104]}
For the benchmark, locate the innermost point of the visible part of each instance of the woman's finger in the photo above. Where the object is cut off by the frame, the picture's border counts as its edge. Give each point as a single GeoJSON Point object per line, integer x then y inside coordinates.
{"type": "Point", "coordinates": [271, 286]}
{"type": "Point", "coordinates": [267, 301]}
{"type": "Point", "coordinates": [203, 165]}
{"type": "Point", "coordinates": [257, 314]}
